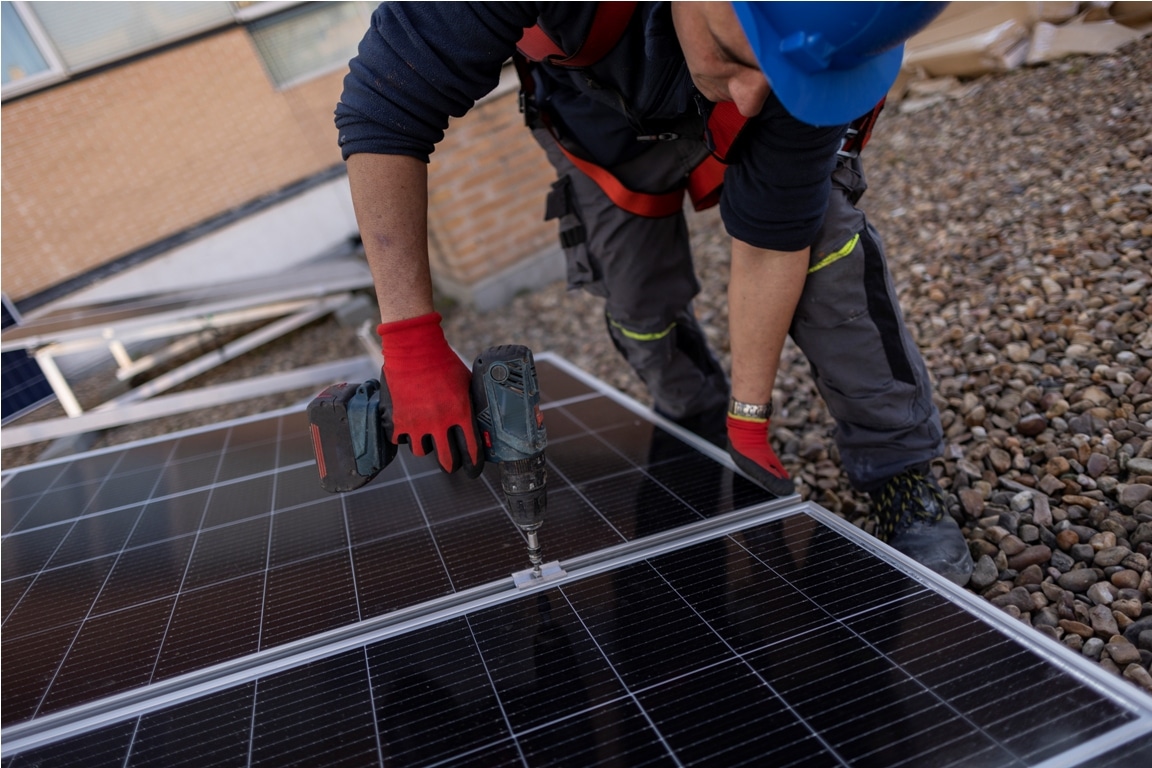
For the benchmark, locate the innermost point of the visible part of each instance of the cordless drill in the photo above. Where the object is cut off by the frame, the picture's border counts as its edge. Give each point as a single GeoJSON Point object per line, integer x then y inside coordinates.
{"type": "Point", "coordinates": [351, 434]}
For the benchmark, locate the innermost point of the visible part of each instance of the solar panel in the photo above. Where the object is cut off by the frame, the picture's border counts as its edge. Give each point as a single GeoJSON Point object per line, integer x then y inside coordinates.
{"type": "Point", "coordinates": [24, 385]}
{"type": "Point", "coordinates": [204, 604]}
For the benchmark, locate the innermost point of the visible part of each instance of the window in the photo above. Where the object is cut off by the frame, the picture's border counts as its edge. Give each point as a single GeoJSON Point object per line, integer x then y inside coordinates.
{"type": "Point", "coordinates": [87, 34]}
{"type": "Point", "coordinates": [311, 40]}
{"type": "Point", "coordinates": [46, 42]}
{"type": "Point", "coordinates": [27, 62]}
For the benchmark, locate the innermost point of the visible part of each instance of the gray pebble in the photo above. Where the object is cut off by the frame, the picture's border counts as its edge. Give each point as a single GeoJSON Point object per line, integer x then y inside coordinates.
{"type": "Point", "coordinates": [1062, 561]}
{"type": "Point", "coordinates": [1079, 580]}
{"type": "Point", "coordinates": [1110, 556]}
{"type": "Point", "coordinates": [1102, 593]}
{"type": "Point", "coordinates": [1134, 630]}
{"type": "Point", "coordinates": [1122, 652]}
{"type": "Point", "coordinates": [1033, 555]}
{"type": "Point", "coordinates": [1103, 622]}
{"type": "Point", "coordinates": [1097, 465]}
{"type": "Point", "coordinates": [1131, 496]}
{"type": "Point", "coordinates": [1018, 597]}
{"type": "Point", "coordinates": [1092, 647]}
{"type": "Point", "coordinates": [984, 573]}
{"type": "Point", "coordinates": [1083, 552]}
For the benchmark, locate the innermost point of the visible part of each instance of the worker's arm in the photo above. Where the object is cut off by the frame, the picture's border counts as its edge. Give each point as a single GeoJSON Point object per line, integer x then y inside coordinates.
{"type": "Point", "coordinates": [390, 196]}
{"type": "Point", "coordinates": [425, 383]}
{"type": "Point", "coordinates": [763, 290]}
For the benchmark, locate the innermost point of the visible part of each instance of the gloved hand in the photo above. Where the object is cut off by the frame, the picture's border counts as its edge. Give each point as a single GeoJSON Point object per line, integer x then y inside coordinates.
{"type": "Point", "coordinates": [749, 448]}
{"type": "Point", "coordinates": [425, 388]}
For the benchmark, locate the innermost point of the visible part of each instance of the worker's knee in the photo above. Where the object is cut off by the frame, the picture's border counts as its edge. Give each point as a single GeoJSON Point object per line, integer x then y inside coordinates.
{"type": "Point", "coordinates": [674, 361]}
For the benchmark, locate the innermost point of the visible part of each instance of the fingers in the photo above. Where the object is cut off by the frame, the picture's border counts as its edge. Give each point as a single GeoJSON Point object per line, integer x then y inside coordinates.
{"type": "Point", "coordinates": [465, 448]}
{"type": "Point", "coordinates": [456, 450]}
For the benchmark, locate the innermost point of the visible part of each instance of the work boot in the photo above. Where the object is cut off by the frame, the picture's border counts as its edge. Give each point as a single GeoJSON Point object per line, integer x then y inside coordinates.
{"type": "Point", "coordinates": [912, 518]}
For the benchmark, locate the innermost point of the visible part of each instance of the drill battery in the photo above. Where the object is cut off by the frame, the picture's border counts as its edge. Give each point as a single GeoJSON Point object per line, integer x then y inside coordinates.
{"type": "Point", "coordinates": [349, 435]}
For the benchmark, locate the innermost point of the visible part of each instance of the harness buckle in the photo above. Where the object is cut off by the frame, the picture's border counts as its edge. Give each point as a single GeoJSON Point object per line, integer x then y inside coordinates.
{"type": "Point", "coordinates": [849, 146]}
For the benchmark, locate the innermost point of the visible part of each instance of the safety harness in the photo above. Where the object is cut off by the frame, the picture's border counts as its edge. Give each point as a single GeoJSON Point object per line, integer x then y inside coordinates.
{"type": "Point", "coordinates": [723, 125]}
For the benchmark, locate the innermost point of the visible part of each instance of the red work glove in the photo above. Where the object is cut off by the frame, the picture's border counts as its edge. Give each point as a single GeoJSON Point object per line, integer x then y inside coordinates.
{"type": "Point", "coordinates": [429, 387]}
{"type": "Point", "coordinates": [748, 446]}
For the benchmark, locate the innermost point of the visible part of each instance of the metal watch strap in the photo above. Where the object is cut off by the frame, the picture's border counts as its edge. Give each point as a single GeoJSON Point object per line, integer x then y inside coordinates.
{"type": "Point", "coordinates": [748, 410]}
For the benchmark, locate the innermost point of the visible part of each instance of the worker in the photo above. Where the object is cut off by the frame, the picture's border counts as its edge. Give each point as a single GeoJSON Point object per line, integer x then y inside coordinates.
{"type": "Point", "coordinates": [634, 102]}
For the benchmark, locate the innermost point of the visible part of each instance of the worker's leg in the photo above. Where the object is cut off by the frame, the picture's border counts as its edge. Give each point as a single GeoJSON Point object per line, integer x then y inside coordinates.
{"type": "Point", "coordinates": [865, 362]}
{"type": "Point", "coordinates": [873, 378]}
{"type": "Point", "coordinates": [643, 269]}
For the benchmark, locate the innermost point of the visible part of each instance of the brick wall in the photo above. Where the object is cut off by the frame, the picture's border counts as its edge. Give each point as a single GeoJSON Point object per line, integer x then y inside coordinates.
{"type": "Point", "coordinates": [99, 167]}
{"type": "Point", "coordinates": [96, 168]}
{"type": "Point", "coordinates": [487, 184]}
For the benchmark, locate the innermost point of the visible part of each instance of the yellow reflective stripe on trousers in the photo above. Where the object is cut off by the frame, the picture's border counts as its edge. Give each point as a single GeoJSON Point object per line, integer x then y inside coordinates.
{"type": "Point", "coordinates": [837, 255]}
{"type": "Point", "coordinates": [642, 336]}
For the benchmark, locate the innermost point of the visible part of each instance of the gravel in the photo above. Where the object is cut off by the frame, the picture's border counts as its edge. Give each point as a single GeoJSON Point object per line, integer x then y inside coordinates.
{"type": "Point", "coordinates": [1018, 221]}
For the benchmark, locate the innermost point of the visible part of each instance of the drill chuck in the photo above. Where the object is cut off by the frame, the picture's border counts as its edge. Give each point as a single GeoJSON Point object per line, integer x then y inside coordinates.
{"type": "Point", "coordinates": [523, 482]}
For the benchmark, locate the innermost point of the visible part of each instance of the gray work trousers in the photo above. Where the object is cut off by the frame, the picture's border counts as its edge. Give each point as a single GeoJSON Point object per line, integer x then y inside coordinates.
{"type": "Point", "coordinates": [848, 322]}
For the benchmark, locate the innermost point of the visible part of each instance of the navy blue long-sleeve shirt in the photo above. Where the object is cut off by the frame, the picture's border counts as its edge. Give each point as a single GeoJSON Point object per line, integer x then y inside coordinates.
{"type": "Point", "coordinates": [421, 63]}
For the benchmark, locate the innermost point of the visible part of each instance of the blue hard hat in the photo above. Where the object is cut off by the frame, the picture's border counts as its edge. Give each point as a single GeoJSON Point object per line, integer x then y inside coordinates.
{"type": "Point", "coordinates": [830, 63]}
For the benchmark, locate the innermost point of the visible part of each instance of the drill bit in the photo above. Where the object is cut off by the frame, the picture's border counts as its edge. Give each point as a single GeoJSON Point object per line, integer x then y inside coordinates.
{"type": "Point", "coordinates": [534, 556]}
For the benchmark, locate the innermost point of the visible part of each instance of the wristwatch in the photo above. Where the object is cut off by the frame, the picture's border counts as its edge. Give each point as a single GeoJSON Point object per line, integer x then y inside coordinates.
{"type": "Point", "coordinates": [748, 410]}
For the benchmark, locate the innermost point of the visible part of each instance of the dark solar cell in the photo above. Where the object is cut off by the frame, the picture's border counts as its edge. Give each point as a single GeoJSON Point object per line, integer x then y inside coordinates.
{"type": "Point", "coordinates": [145, 573]}
{"type": "Point", "coordinates": [556, 384]}
{"type": "Point", "coordinates": [100, 663]}
{"type": "Point", "coordinates": [106, 747]}
{"type": "Point", "coordinates": [23, 383]}
{"type": "Point", "coordinates": [211, 625]}
{"type": "Point", "coordinates": [26, 554]}
{"type": "Point", "coordinates": [96, 536]}
{"type": "Point", "coordinates": [169, 517]}
{"type": "Point", "coordinates": [323, 709]}
{"type": "Point", "coordinates": [214, 730]}
{"type": "Point", "coordinates": [382, 510]}
{"type": "Point", "coordinates": [308, 596]}
{"type": "Point", "coordinates": [57, 596]}
{"type": "Point", "coordinates": [39, 654]}
{"type": "Point", "coordinates": [393, 573]}
{"type": "Point", "coordinates": [308, 531]}
{"type": "Point", "coordinates": [232, 550]}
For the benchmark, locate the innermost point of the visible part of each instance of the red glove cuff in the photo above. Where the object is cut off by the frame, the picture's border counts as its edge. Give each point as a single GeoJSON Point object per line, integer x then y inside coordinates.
{"type": "Point", "coordinates": [748, 445]}
{"type": "Point", "coordinates": [411, 336]}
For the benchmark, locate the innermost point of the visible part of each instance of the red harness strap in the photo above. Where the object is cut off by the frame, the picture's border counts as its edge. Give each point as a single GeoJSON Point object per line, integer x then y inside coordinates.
{"type": "Point", "coordinates": [608, 25]}
{"type": "Point", "coordinates": [724, 123]}
{"type": "Point", "coordinates": [653, 206]}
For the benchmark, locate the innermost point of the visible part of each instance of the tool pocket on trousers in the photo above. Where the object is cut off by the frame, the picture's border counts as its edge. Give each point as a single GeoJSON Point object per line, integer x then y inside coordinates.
{"type": "Point", "coordinates": [834, 291]}
{"type": "Point", "coordinates": [560, 205]}
{"type": "Point", "coordinates": [849, 178]}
